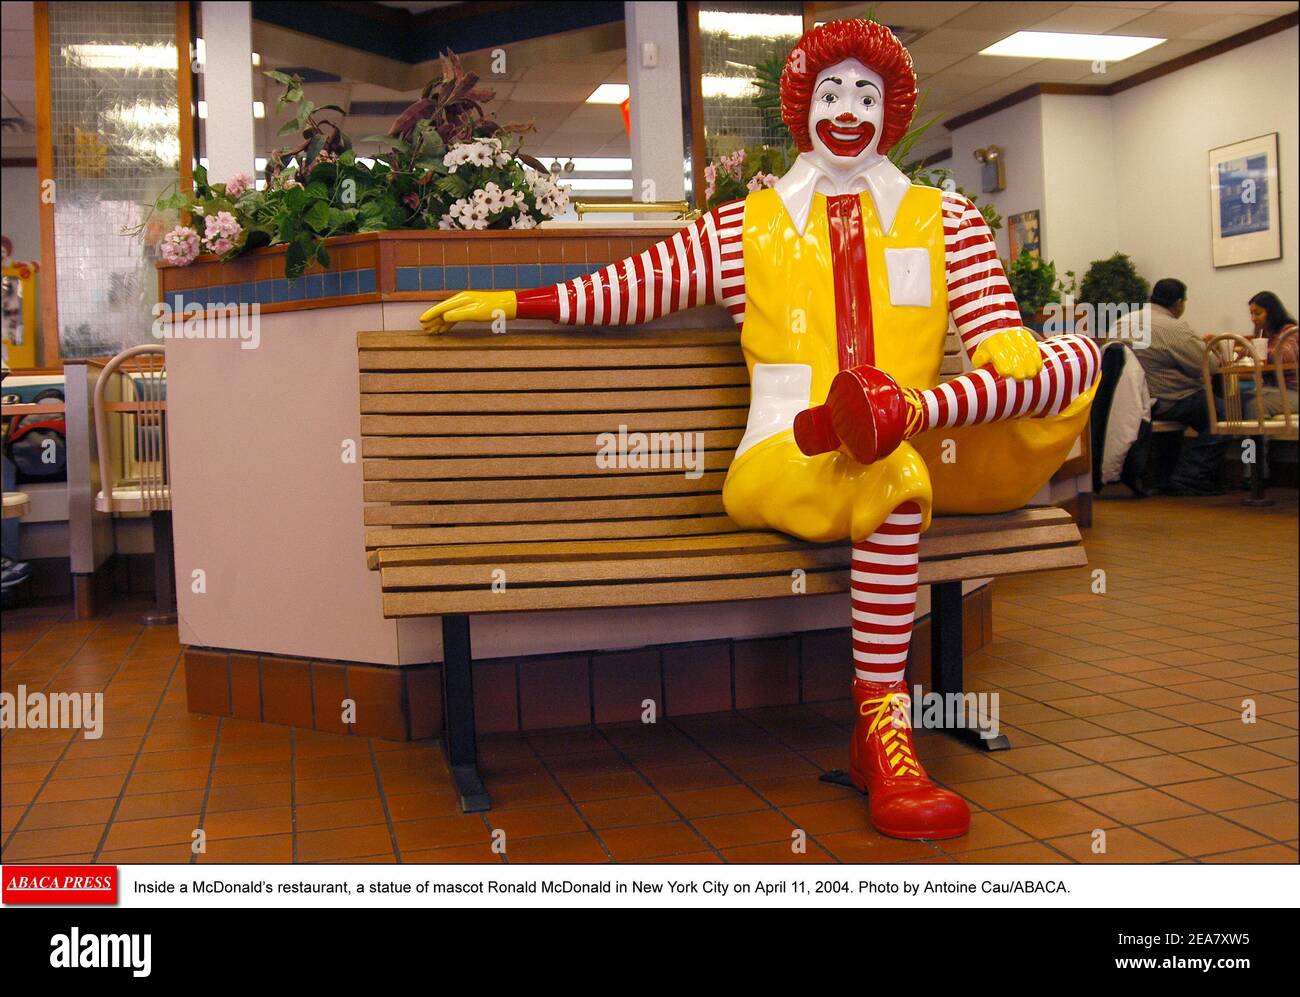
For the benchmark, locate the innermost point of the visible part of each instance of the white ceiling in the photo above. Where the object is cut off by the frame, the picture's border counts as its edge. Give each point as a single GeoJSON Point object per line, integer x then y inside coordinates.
{"type": "Point", "coordinates": [548, 80]}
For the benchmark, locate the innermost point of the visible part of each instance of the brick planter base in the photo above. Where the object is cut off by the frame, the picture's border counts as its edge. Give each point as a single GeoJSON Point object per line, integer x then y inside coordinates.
{"type": "Point", "coordinates": [538, 692]}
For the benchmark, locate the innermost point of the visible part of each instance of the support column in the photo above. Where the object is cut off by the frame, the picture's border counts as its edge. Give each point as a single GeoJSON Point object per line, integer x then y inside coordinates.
{"type": "Point", "coordinates": [227, 33]}
{"type": "Point", "coordinates": [654, 76]}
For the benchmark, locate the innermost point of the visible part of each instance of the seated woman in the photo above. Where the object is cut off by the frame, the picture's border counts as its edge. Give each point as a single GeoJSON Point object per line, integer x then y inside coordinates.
{"type": "Point", "coordinates": [1271, 319]}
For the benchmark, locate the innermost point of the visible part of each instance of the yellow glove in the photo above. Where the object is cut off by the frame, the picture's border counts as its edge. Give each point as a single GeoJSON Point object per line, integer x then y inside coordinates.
{"type": "Point", "coordinates": [1013, 353]}
{"type": "Point", "coordinates": [468, 306]}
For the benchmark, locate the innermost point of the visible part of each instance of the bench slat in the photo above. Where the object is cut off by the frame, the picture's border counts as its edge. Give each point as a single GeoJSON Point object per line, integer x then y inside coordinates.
{"type": "Point", "coordinates": [453, 469]}
{"type": "Point", "coordinates": [688, 420]}
{"type": "Point", "coordinates": [415, 536]}
{"type": "Point", "coordinates": [579, 510]}
{"type": "Point", "coordinates": [733, 375]}
{"type": "Point", "coordinates": [546, 340]}
{"type": "Point", "coordinates": [560, 444]}
{"type": "Point", "coordinates": [504, 402]}
{"type": "Point", "coordinates": [634, 358]}
{"type": "Point", "coordinates": [533, 489]}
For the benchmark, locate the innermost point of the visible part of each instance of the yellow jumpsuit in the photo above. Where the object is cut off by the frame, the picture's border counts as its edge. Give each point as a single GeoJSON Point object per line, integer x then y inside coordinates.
{"type": "Point", "coordinates": [790, 319]}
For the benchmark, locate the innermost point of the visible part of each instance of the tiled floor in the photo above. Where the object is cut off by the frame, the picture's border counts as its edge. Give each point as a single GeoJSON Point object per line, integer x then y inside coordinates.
{"type": "Point", "coordinates": [1123, 707]}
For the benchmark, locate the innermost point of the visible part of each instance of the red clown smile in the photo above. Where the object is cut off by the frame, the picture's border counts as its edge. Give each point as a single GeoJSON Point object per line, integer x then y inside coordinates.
{"type": "Point", "coordinates": [846, 140]}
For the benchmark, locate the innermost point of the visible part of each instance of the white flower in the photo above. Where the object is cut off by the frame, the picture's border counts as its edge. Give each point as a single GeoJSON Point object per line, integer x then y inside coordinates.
{"type": "Point", "coordinates": [446, 222]}
{"type": "Point", "coordinates": [524, 221]}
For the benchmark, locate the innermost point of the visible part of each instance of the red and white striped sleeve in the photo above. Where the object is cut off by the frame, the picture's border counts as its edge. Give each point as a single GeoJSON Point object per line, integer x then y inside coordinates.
{"type": "Point", "coordinates": [702, 264]}
{"type": "Point", "coordinates": [979, 297]}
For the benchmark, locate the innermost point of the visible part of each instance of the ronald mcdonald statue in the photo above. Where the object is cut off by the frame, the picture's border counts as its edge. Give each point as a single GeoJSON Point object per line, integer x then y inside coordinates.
{"type": "Point", "coordinates": [843, 278]}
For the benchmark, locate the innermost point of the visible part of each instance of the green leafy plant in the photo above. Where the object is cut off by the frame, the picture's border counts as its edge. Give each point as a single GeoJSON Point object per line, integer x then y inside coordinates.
{"type": "Point", "coordinates": [1034, 283]}
{"type": "Point", "coordinates": [446, 163]}
{"type": "Point", "coordinates": [1110, 282]}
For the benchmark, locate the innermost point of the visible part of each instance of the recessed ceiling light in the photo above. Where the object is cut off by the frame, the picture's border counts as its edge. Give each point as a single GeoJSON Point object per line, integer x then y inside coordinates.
{"type": "Point", "coordinates": [259, 109]}
{"type": "Point", "coordinates": [610, 93]}
{"type": "Point", "coordinates": [1063, 45]}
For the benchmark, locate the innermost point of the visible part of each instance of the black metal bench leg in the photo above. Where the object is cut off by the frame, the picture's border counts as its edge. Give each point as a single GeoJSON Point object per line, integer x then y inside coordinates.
{"type": "Point", "coordinates": [458, 705]}
{"type": "Point", "coordinates": [947, 662]}
{"type": "Point", "coordinates": [164, 571]}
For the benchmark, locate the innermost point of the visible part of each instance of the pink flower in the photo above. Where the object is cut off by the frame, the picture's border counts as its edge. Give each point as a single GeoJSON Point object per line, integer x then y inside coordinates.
{"type": "Point", "coordinates": [220, 231]}
{"type": "Point", "coordinates": [238, 185]}
{"type": "Point", "coordinates": [710, 180]}
{"type": "Point", "coordinates": [411, 200]}
{"type": "Point", "coordinates": [180, 246]}
{"type": "Point", "coordinates": [760, 180]}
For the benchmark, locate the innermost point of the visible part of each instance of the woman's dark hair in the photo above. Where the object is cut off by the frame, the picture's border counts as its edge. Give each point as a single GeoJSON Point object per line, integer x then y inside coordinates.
{"type": "Point", "coordinates": [1276, 317]}
{"type": "Point", "coordinates": [1168, 292]}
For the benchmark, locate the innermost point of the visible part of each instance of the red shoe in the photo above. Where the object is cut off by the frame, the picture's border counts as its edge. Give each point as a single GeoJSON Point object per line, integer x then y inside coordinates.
{"type": "Point", "coordinates": [866, 412]}
{"type": "Point", "coordinates": [904, 802]}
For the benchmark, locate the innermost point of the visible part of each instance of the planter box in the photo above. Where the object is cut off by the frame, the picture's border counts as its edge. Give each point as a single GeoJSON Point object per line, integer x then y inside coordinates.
{"type": "Point", "coordinates": [415, 265]}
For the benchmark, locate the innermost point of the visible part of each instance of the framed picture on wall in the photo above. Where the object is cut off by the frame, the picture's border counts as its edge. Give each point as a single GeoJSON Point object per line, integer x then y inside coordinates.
{"type": "Point", "coordinates": [1245, 220]}
{"type": "Point", "coordinates": [1025, 233]}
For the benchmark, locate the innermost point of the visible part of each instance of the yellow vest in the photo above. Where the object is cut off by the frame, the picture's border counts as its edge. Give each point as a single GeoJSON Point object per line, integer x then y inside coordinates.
{"type": "Point", "coordinates": [790, 289]}
{"type": "Point", "coordinates": [790, 319]}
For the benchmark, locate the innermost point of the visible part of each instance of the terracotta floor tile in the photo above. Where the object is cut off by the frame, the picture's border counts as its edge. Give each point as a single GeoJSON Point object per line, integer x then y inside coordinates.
{"type": "Point", "coordinates": [1120, 845]}
{"type": "Point", "coordinates": [736, 798]}
{"type": "Point", "coordinates": [1029, 853]}
{"type": "Point", "coordinates": [435, 802]}
{"type": "Point", "coordinates": [1113, 748]}
{"type": "Point", "coordinates": [1140, 806]}
{"type": "Point", "coordinates": [1181, 739]}
{"type": "Point", "coordinates": [733, 830]}
{"type": "Point", "coordinates": [627, 811]}
{"type": "Point", "coordinates": [479, 853]}
{"type": "Point", "coordinates": [72, 814]}
{"type": "Point", "coordinates": [185, 802]}
{"type": "Point", "coordinates": [249, 823]}
{"type": "Point", "coordinates": [694, 858]}
{"type": "Point", "coordinates": [582, 848]}
{"type": "Point", "coordinates": [67, 790]}
{"type": "Point", "coordinates": [987, 830]}
{"type": "Point", "coordinates": [178, 854]}
{"type": "Point", "coordinates": [1052, 820]}
{"type": "Point", "coordinates": [1036, 758]}
{"type": "Point", "coordinates": [49, 842]}
{"type": "Point", "coordinates": [146, 833]}
{"type": "Point", "coordinates": [1264, 854]}
{"type": "Point", "coordinates": [1276, 820]}
{"type": "Point", "coordinates": [680, 777]}
{"type": "Point", "coordinates": [529, 794]}
{"type": "Point", "coordinates": [1202, 835]}
{"type": "Point", "coordinates": [270, 849]}
{"type": "Point", "coordinates": [604, 786]}
{"type": "Point", "coordinates": [634, 844]}
{"type": "Point", "coordinates": [831, 816]}
{"type": "Point", "coordinates": [1283, 781]}
{"type": "Point", "coordinates": [353, 787]}
{"type": "Point", "coordinates": [169, 781]}
{"type": "Point", "coordinates": [248, 797]}
{"type": "Point", "coordinates": [1223, 793]}
{"type": "Point", "coordinates": [532, 822]}
{"type": "Point", "coordinates": [1011, 791]}
{"type": "Point", "coordinates": [340, 813]}
{"type": "Point", "coordinates": [440, 832]}
{"type": "Point", "coordinates": [1088, 780]}
{"type": "Point", "coordinates": [870, 848]}
{"type": "Point", "coordinates": [1161, 770]}
{"type": "Point", "coordinates": [786, 792]}
{"type": "Point", "coordinates": [342, 843]}
{"type": "Point", "coordinates": [777, 853]}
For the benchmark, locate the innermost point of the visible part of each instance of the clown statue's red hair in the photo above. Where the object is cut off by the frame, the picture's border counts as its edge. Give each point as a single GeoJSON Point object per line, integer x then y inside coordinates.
{"type": "Point", "coordinates": [844, 276]}
{"type": "Point", "coordinates": [869, 42]}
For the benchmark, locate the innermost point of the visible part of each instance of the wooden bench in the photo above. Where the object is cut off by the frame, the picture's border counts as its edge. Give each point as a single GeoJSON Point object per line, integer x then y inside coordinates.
{"type": "Point", "coordinates": [480, 467]}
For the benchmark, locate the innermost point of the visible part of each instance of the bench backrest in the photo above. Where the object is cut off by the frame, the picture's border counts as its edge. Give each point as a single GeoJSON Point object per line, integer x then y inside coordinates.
{"type": "Point", "coordinates": [471, 437]}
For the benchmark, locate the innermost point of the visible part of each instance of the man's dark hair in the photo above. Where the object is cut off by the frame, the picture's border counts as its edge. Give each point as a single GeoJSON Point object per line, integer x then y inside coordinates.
{"type": "Point", "coordinates": [1168, 292]}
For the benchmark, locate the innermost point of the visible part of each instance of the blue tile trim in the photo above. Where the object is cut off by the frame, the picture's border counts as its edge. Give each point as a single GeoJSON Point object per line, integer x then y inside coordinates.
{"type": "Point", "coordinates": [505, 277]}
{"type": "Point", "coordinates": [529, 275]}
{"type": "Point", "coordinates": [552, 273]}
{"type": "Point", "coordinates": [316, 286]}
{"type": "Point", "coordinates": [333, 284]}
{"type": "Point", "coordinates": [349, 282]}
{"type": "Point", "coordinates": [431, 278]}
{"type": "Point", "coordinates": [408, 278]}
{"type": "Point", "coordinates": [366, 281]}
{"type": "Point", "coordinates": [456, 278]}
{"type": "Point", "coordinates": [480, 278]}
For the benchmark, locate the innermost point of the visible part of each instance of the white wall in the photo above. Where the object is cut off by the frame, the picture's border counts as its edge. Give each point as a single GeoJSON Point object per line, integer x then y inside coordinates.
{"type": "Point", "coordinates": [1079, 218]}
{"type": "Point", "coordinates": [20, 211]}
{"type": "Point", "coordinates": [1163, 133]}
{"type": "Point", "coordinates": [1018, 131]}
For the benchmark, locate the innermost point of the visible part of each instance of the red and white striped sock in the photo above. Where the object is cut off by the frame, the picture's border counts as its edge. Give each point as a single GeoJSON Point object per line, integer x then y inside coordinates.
{"type": "Point", "coordinates": [1071, 364]}
{"type": "Point", "coordinates": [884, 596]}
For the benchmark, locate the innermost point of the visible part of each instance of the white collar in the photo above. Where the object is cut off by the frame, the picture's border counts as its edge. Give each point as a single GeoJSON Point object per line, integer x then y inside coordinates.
{"type": "Point", "coordinates": [882, 179]}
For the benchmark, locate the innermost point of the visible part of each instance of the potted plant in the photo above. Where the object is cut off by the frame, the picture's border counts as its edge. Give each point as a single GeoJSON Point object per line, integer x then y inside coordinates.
{"type": "Point", "coordinates": [1110, 288]}
{"type": "Point", "coordinates": [447, 164]}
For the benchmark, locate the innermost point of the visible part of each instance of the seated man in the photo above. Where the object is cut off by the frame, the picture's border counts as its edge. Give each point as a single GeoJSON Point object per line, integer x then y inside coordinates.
{"type": "Point", "coordinates": [1172, 363]}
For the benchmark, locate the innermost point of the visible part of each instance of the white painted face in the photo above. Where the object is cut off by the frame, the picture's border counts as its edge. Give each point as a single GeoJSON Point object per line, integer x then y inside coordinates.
{"type": "Point", "coordinates": [846, 115]}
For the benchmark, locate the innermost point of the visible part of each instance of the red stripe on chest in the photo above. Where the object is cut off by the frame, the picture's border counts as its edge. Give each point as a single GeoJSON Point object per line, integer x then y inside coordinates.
{"type": "Point", "coordinates": [853, 330]}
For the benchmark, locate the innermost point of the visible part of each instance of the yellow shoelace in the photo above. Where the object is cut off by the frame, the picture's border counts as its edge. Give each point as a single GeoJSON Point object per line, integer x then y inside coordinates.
{"type": "Point", "coordinates": [893, 711]}
{"type": "Point", "coordinates": [915, 412]}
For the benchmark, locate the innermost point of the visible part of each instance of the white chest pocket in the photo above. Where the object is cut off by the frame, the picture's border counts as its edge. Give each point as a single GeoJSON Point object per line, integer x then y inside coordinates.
{"type": "Point", "coordinates": [909, 276]}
